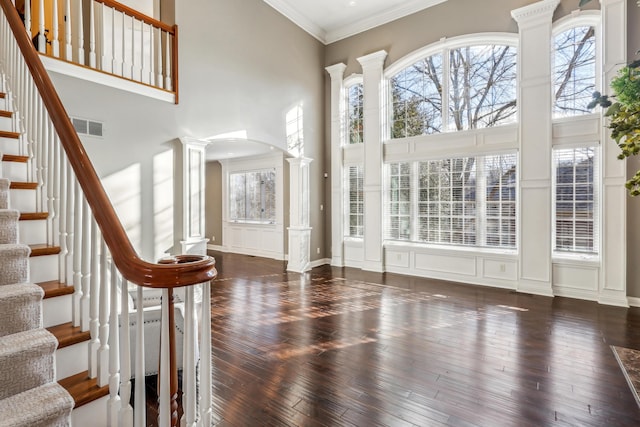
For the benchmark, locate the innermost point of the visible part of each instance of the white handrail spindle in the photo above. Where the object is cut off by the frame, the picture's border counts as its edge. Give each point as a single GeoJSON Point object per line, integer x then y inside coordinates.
{"type": "Point", "coordinates": [159, 77]}
{"type": "Point", "coordinates": [126, 410]}
{"type": "Point", "coordinates": [70, 219]}
{"type": "Point", "coordinates": [68, 47]}
{"type": "Point", "coordinates": [140, 412]}
{"type": "Point", "coordinates": [27, 19]}
{"type": "Point", "coordinates": [80, 34]}
{"type": "Point", "coordinates": [206, 412]}
{"type": "Point", "coordinates": [55, 42]}
{"type": "Point", "coordinates": [114, 402]}
{"type": "Point", "coordinates": [42, 40]}
{"type": "Point", "coordinates": [189, 358]}
{"type": "Point", "coordinates": [94, 298]}
{"type": "Point", "coordinates": [92, 35]}
{"type": "Point", "coordinates": [103, 314]}
{"type": "Point", "coordinates": [79, 250]}
{"type": "Point", "coordinates": [167, 71]}
{"type": "Point", "coordinates": [164, 381]}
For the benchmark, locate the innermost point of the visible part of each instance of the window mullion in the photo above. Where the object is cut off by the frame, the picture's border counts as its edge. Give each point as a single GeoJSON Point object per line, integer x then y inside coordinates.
{"type": "Point", "coordinates": [481, 202]}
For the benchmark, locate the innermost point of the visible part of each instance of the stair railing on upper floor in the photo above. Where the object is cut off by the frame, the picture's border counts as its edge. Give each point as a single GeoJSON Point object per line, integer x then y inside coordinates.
{"type": "Point", "coordinates": [97, 257]}
{"type": "Point", "coordinates": [109, 37]}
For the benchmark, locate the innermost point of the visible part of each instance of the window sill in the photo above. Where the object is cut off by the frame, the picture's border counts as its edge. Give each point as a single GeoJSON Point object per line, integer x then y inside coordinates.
{"type": "Point", "coordinates": [575, 258]}
{"type": "Point", "coordinates": [451, 249]}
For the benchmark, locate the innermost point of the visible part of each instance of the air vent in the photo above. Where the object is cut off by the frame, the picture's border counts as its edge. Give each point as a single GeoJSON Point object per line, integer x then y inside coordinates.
{"type": "Point", "coordinates": [87, 127]}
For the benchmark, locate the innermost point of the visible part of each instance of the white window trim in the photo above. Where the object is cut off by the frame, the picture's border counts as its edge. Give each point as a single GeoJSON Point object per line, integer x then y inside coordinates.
{"type": "Point", "coordinates": [347, 83]}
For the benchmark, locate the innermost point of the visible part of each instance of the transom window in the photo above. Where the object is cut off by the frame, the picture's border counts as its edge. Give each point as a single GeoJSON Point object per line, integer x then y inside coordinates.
{"type": "Point", "coordinates": [252, 196]}
{"type": "Point", "coordinates": [467, 201]}
{"type": "Point", "coordinates": [480, 88]}
{"type": "Point", "coordinates": [574, 70]}
{"type": "Point", "coordinates": [575, 200]}
{"type": "Point", "coordinates": [355, 116]}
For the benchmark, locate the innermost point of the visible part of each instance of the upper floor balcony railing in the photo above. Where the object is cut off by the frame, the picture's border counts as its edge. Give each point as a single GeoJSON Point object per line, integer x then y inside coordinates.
{"type": "Point", "coordinates": [106, 36]}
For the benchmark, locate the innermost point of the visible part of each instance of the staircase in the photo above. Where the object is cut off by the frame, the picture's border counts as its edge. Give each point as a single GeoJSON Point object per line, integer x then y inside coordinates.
{"type": "Point", "coordinates": [30, 395]}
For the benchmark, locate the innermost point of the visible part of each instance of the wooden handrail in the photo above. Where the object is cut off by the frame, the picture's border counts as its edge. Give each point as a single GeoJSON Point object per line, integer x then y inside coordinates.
{"type": "Point", "coordinates": [139, 16]}
{"type": "Point", "coordinates": [130, 265]}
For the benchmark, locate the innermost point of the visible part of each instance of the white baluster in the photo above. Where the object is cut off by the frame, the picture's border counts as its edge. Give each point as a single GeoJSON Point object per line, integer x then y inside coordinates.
{"type": "Point", "coordinates": [116, 65]}
{"type": "Point", "coordinates": [168, 84]}
{"type": "Point", "coordinates": [55, 42]}
{"type": "Point", "coordinates": [68, 49]}
{"type": "Point", "coordinates": [54, 181]}
{"type": "Point", "coordinates": [140, 409]}
{"type": "Point", "coordinates": [106, 61]}
{"type": "Point", "coordinates": [80, 34]}
{"type": "Point", "coordinates": [27, 18]}
{"type": "Point", "coordinates": [42, 40]}
{"type": "Point", "coordinates": [85, 237]}
{"type": "Point", "coordinates": [143, 69]}
{"type": "Point", "coordinates": [92, 36]}
{"type": "Point", "coordinates": [206, 411]}
{"type": "Point", "coordinates": [94, 307]}
{"type": "Point", "coordinates": [135, 71]}
{"type": "Point", "coordinates": [164, 379]}
{"type": "Point", "coordinates": [152, 62]}
{"type": "Point", "coordinates": [114, 403]}
{"type": "Point", "coordinates": [103, 351]}
{"type": "Point", "coordinates": [159, 78]}
{"type": "Point", "coordinates": [78, 250]}
{"type": "Point", "coordinates": [69, 218]}
{"type": "Point", "coordinates": [126, 410]}
{"type": "Point", "coordinates": [189, 357]}
{"type": "Point", "coordinates": [126, 65]}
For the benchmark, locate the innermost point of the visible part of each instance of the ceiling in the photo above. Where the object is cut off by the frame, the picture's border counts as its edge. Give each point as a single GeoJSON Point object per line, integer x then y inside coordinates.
{"type": "Point", "coordinates": [333, 20]}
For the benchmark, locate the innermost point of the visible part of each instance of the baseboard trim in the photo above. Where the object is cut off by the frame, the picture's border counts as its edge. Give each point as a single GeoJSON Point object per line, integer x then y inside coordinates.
{"type": "Point", "coordinates": [634, 301]}
{"type": "Point", "coordinates": [319, 262]}
{"type": "Point", "coordinates": [216, 248]}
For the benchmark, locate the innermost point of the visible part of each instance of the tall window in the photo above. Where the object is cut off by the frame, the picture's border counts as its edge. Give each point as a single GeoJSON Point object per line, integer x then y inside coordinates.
{"type": "Point", "coordinates": [480, 90]}
{"type": "Point", "coordinates": [467, 201]}
{"type": "Point", "coordinates": [399, 201]}
{"type": "Point", "coordinates": [574, 70]}
{"type": "Point", "coordinates": [355, 116]}
{"type": "Point", "coordinates": [252, 196]}
{"type": "Point", "coordinates": [355, 202]}
{"type": "Point", "coordinates": [575, 200]}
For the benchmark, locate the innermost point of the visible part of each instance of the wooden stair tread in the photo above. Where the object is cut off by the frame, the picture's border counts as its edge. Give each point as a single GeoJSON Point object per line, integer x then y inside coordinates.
{"type": "Point", "coordinates": [18, 185]}
{"type": "Point", "coordinates": [14, 158]}
{"type": "Point", "coordinates": [2, 94]}
{"type": "Point", "coordinates": [83, 389]}
{"type": "Point", "coordinates": [53, 289]}
{"type": "Point", "coordinates": [5, 113]}
{"type": "Point", "coordinates": [44, 249]}
{"type": "Point", "coordinates": [33, 216]}
{"type": "Point", "coordinates": [7, 134]}
{"type": "Point", "coordinates": [68, 335]}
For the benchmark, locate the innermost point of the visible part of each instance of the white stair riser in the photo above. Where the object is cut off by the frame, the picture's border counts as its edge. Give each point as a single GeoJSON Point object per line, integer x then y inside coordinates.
{"type": "Point", "coordinates": [43, 268]}
{"type": "Point", "coordinates": [32, 232]}
{"type": "Point", "coordinates": [72, 360]}
{"type": "Point", "coordinates": [57, 310]}
{"type": "Point", "coordinates": [23, 200]}
{"type": "Point", "coordinates": [11, 146]}
{"type": "Point", "coordinates": [92, 414]}
{"type": "Point", "coordinates": [6, 123]}
{"type": "Point", "coordinates": [14, 171]}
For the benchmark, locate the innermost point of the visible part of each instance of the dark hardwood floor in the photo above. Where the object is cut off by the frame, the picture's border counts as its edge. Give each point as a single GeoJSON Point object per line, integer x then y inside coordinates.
{"type": "Point", "coordinates": [342, 347]}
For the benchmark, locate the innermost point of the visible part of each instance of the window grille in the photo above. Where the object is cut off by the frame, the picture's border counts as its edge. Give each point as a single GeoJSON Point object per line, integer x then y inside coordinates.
{"type": "Point", "coordinates": [467, 201]}
{"type": "Point", "coordinates": [355, 115]}
{"type": "Point", "coordinates": [355, 202]}
{"type": "Point", "coordinates": [576, 202]}
{"type": "Point", "coordinates": [574, 71]}
{"type": "Point", "coordinates": [252, 196]}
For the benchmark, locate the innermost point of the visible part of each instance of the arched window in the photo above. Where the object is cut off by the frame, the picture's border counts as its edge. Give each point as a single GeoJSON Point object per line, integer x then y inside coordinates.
{"type": "Point", "coordinates": [478, 91]}
{"type": "Point", "coordinates": [574, 70]}
{"type": "Point", "coordinates": [355, 116]}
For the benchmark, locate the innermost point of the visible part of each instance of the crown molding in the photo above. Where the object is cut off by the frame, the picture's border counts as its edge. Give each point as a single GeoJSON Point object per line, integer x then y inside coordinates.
{"type": "Point", "coordinates": [339, 32]}
{"type": "Point", "coordinates": [351, 29]}
{"type": "Point", "coordinates": [542, 10]}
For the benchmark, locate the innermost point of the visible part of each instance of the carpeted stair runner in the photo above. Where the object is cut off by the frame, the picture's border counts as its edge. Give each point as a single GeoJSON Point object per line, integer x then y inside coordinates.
{"type": "Point", "coordinates": [29, 395]}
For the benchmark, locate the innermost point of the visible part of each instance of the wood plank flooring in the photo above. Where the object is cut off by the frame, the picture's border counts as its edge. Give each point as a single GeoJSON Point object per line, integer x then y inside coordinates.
{"type": "Point", "coordinates": [341, 347]}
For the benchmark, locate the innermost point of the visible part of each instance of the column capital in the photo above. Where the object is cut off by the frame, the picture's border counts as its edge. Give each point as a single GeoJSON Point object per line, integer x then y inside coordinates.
{"type": "Point", "coordinates": [535, 13]}
{"type": "Point", "coordinates": [336, 71]}
{"type": "Point", "coordinates": [299, 161]}
{"type": "Point", "coordinates": [189, 141]}
{"type": "Point", "coordinates": [375, 59]}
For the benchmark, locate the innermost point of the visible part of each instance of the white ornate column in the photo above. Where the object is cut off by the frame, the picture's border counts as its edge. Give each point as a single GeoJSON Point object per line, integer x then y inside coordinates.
{"type": "Point", "coordinates": [613, 272]}
{"type": "Point", "coordinates": [193, 185]}
{"type": "Point", "coordinates": [534, 111]}
{"type": "Point", "coordinates": [337, 181]}
{"type": "Point", "coordinates": [299, 229]}
{"type": "Point", "coordinates": [373, 89]}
